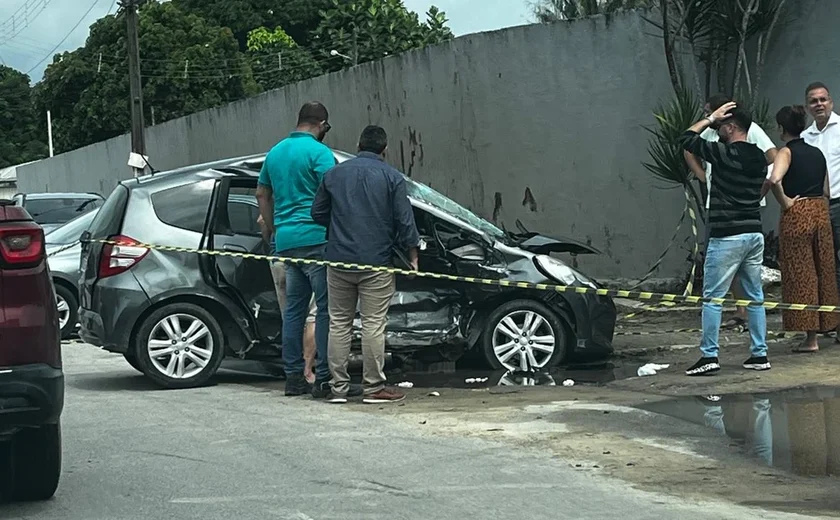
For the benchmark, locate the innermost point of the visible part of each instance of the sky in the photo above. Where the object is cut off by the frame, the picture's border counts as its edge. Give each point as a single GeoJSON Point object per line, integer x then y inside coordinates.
{"type": "Point", "coordinates": [32, 31]}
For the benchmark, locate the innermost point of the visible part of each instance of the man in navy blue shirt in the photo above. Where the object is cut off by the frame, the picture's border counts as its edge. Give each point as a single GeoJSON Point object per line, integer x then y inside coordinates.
{"type": "Point", "coordinates": [364, 206]}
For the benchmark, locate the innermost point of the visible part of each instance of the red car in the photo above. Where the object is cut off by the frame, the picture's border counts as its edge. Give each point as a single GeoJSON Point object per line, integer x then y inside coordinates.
{"type": "Point", "coordinates": [31, 374]}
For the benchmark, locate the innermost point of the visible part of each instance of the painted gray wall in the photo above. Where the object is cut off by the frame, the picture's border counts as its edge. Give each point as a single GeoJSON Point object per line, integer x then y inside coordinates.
{"type": "Point", "coordinates": [538, 123]}
{"type": "Point", "coordinates": [807, 50]}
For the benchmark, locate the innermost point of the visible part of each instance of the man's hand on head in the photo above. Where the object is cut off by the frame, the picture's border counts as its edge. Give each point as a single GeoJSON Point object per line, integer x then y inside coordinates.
{"type": "Point", "coordinates": [723, 112]}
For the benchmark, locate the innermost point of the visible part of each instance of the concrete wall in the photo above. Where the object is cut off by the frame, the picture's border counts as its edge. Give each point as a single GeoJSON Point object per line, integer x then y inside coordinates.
{"type": "Point", "coordinates": [537, 123]}
{"type": "Point", "coordinates": [807, 50]}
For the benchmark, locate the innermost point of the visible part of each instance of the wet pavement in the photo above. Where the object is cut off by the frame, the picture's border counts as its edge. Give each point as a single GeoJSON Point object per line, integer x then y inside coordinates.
{"type": "Point", "coordinates": [452, 375]}
{"type": "Point", "coordinates": [796, 430]}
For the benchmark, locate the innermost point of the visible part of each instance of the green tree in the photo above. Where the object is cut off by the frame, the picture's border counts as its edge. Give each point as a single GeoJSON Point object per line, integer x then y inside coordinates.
{"type": "Point", "coordinates": [277, 60]}
{"type": "Point", "coordinates": [550, 11]}
{"type": "Point", "coordinates": [298, 18]}
{"type": "Point", "coordinates": [20, 141]}
{"type": "Point", "coordinates": [367, 30]}
{"type": "Point", "coordinates": [187, 65]}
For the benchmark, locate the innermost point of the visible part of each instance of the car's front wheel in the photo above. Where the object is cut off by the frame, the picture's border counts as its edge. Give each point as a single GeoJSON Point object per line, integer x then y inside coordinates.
{"type": "Point", "coordinates": [179, 346]}
{"type": "Point", "coordinates": [524, 335]}
{"type": "Point", "coordinates": [68, 310]}
{"type": "Point", "coordinates": [36, 462]}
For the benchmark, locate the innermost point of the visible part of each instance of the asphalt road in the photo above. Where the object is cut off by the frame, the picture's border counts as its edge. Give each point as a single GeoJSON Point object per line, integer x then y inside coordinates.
{"type": "Point", "coordinates": [236, 451]}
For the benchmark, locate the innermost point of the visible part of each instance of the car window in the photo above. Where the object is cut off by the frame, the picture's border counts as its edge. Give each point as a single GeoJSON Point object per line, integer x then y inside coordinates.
{"type": "Point", "coordinates": [185, 206]}
{"type": "Point", "coordinates": [71, 231]}
{"type": "Point", "coordinates": [428, 195]}
{"type": "Point", "coordinates": [58, 210]}
{"type": "Point", "coordinates": [243, 211]}
{"type": "Point", "coordinates": [109, 218]}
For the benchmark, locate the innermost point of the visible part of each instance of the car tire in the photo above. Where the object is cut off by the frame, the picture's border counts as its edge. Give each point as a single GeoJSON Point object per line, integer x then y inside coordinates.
{"type": "Point", "coordinates": [65, 296]}
{"type": "Point", "coordinates": [131, 358]}
{"type": "Point", "coordinates": [159, 333]}
{"type": "Point", "coordinates": [503, 352]}
{"type": "Point", "coordinates": [36, 463]}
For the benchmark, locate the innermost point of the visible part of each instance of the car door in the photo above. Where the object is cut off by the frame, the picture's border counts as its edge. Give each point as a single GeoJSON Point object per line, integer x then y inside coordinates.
{"type": "Point", "coordinates": [425, 311]}
{"type": "Point", "coordinates": [234, 229]}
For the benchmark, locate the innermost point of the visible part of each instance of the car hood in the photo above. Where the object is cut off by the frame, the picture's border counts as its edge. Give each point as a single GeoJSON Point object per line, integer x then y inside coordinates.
{"type": "Point", "coordinates": [543, 245]}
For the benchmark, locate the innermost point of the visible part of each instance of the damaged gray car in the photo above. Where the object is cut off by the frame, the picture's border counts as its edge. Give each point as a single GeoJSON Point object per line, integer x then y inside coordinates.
{"type": "Point", "coordinates": [175, 316]}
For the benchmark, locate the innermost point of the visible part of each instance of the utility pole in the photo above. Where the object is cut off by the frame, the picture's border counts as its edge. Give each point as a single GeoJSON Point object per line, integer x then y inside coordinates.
{"type": "Point", "coordinates": [138, 139]}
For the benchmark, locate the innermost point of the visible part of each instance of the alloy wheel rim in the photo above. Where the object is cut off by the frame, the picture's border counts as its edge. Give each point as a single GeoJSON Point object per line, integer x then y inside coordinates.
{"type": "Point", "coordinates": [63, 311]}
{"type": "Point", "coordinates": [180, 346]}
{"type": "Point", "coordinates": [523, 341]}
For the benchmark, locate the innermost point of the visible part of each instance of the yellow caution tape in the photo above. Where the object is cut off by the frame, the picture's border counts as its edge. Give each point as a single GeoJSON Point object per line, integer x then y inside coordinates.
{"type": "Point", "coordinates": [614, 293]}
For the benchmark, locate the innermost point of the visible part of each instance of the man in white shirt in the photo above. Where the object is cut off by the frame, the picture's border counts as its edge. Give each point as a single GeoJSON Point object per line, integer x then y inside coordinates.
{"type": "Point", "coordinates": [757, 136]}
{"type": "Point", "coordinates": [824, 133]}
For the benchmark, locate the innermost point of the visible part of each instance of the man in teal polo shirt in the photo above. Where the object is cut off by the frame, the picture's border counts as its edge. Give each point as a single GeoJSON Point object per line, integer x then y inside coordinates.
{"type": "Point", "coordinates": [288, 182]}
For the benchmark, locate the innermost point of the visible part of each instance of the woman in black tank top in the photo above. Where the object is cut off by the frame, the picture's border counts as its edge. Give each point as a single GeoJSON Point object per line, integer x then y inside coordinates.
{"type": "Point", "coordinates": [806, 247]}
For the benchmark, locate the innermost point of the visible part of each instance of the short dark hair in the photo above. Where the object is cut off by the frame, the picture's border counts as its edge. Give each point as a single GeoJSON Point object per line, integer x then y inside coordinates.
{"type": "Point", "coordinates": [814, 86]}
{"type": "Point", "coordinates": [718, 100]}
{"type": "Point", "coordinates": [373, 140]}
{"type": "Point", "coordinates": [312, 113]}
{"type": "Point", "coordinates": [741, 118]}
{"type": "Point", "coordinates": [792, 119]}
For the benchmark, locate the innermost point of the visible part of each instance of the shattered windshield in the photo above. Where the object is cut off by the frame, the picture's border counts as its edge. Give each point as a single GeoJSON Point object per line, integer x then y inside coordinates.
{"type": "Point", "coordinates": [428, 195]}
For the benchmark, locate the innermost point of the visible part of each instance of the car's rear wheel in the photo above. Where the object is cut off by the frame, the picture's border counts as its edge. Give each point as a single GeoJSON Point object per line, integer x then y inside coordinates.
{"type": "Point", "coordinates": [179, 346]}
{"type": "Point", "coordinates": [68, 310]}
{"type": "Point", "coordinates": [524, 335]}
{"type": "Point", "coordinates": [36, 463]}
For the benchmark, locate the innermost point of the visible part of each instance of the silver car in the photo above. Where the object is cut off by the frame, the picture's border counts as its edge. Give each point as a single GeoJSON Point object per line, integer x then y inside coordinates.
{"type": "Point", "coordinates": [63, 254]}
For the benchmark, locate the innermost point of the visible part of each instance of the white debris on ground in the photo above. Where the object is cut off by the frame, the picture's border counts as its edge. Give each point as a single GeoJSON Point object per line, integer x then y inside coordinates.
{"type": "Point", "coordinates": [470, 380]}
{"type": "Point", "coordinates": [770, 276]}
{"type": "Point", "coordinates": [650, 369]}
{"type": "Point", "coordinates": [569, 382]}
{"type": "Point", "coordinates": [405, 384]}
{"type": "Point", "coordinates": [434, 394]}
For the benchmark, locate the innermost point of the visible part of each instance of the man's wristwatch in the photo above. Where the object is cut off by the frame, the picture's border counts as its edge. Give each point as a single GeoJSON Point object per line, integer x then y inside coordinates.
{"type": "Point", "coordinates": [711, 119]}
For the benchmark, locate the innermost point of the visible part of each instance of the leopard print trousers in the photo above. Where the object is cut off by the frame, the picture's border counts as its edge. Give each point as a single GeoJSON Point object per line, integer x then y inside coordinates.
{"type": "Point", "coordinates": [806, 258]}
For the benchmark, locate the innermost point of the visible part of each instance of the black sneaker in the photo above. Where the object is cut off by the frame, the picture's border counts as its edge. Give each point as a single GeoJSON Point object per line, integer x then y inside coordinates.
{"type": "Point", "coordinates": [322, 390]}
{"type": "Point", "coordinates": [297, 385]}
{"type": "Point", "coordinates": [706, 366]}
{"type": "Point", "coordinates": [757, 363]}
{"type": "Point", "coordinates": [336, 399]}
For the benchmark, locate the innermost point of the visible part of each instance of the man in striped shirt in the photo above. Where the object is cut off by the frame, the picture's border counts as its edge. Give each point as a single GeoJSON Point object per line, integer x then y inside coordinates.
{"type": "Point", "coordinates": [736, 243]}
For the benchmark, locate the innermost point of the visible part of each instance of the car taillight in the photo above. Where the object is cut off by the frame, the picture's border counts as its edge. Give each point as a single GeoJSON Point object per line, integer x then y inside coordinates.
{"type": "Point", "coordinates": [119, 258]}
{"type": "Point", "coordinates": [21, 244]}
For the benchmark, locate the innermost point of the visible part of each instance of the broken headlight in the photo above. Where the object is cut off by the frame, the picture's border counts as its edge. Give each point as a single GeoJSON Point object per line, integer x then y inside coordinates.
{"type": "Point", "coordinates": [561, 272]}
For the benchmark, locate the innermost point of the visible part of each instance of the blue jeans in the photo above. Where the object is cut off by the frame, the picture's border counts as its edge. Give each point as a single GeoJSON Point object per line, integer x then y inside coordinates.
{"type": "Point", "coordinates": [725, 257]}
{"type": "Point", "coordinates": [302, 280]}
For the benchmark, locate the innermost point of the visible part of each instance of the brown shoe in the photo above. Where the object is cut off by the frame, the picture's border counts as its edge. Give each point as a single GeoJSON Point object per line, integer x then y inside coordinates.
{"type": "Point", "coordinates": [386, 395]}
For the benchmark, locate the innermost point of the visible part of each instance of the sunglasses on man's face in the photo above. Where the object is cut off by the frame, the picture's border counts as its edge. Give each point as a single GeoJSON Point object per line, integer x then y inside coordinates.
{"type": "Point", "coordinates": [327, 126]}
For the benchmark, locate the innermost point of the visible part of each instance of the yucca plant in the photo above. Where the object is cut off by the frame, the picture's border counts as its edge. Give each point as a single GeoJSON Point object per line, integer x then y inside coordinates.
{"type": "Point", "coordinates": [667, 160]}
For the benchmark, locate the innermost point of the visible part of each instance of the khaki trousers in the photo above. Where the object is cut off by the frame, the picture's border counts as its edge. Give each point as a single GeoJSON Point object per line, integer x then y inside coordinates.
{"type": "Point", "coordinates": [371, 293]}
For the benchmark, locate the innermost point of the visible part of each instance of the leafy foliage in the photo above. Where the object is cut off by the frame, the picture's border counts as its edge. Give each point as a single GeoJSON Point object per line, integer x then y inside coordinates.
{"type": "Point", "coordinates": [277, 60]}
{"type": "Point", "coordinates": [672, 120]}
{"type": "Point", "coordinates": [20, 141]}
{"type": "Point", "coordinates": [298, 18]}
{"type": "Point", "coordinates": [367, 30]}
{"type": "Point", "coordinates": [550, 11]}
{"type": "Point", "coordinates": [90, 100]}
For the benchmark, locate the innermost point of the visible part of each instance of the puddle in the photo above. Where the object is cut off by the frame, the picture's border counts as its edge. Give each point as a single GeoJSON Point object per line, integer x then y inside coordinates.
{"type": "Point", "coordinates": [451, 375]}
{"type": "Point", "coordinates": [795, 430]}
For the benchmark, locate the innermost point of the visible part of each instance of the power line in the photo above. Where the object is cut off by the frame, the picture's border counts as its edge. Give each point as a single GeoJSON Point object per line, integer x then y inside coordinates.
{"type": "Point", "coordinates": [21, 18]}
{"type": "Point", "coordinates": [59, 44]}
